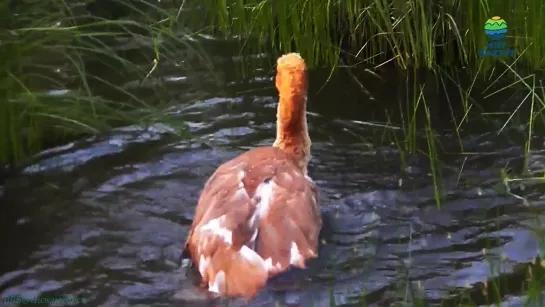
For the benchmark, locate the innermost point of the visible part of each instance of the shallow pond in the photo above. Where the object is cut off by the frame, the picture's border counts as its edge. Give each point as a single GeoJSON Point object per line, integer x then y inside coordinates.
{"type": "Point", "coordinates": [104, 218]}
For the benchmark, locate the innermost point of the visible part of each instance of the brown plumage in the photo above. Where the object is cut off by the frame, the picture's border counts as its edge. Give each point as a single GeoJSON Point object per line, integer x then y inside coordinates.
{"type": "Point", "coordinates": [258, 213]}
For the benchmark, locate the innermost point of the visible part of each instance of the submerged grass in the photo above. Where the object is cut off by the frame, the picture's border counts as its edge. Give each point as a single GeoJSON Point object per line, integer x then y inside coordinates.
{"type": "Point", "coordinates": [527, 281]}
{"type": "Point", "coordinates": [413, 33]}
{"type": "Point", "coordinates": [65, 67]}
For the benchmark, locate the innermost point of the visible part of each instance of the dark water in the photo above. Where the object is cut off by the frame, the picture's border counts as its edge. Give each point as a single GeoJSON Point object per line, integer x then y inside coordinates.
{"type": "Point", "coordinates": [104, 218]}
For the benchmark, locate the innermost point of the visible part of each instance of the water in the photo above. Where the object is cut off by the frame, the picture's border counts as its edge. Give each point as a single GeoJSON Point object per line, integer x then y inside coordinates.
{"type": "Point", "coordinates": [104, 218]}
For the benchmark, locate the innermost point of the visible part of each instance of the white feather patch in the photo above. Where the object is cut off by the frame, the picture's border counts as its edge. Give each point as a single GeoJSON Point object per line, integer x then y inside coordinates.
{"type": "Point", "coordinates": [203, 265]}
{"type": "Point", "coordinates": [215, 227]}
{"type": "Point", "coordinates": [252, 257]}
{"type": "Point", "coordinates": [295, 255]}
{"type": "Point", "coordinates": [218, 284]}
{"type": "Point", "coordinates": [265, 193]}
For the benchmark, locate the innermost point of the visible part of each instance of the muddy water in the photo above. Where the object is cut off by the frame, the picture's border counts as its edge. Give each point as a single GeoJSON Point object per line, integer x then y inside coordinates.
{"type": "Point", "coordinates": [103, 218]}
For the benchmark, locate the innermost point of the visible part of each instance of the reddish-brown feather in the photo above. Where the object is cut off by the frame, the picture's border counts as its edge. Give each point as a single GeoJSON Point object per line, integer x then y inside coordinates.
{"type": "Point", "coordinates": [258, 213]}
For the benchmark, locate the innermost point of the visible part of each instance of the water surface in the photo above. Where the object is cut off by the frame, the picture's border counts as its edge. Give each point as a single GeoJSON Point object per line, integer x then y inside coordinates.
{"type": "Point", "coordinates": [104, 218]}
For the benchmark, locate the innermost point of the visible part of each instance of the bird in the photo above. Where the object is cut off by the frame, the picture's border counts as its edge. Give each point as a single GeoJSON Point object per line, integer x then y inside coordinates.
{"type": "Point", "coordinates": [258, 214]}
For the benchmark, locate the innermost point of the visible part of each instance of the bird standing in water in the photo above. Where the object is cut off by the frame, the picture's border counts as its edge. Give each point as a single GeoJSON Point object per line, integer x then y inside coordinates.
{"type": "Point", "coordinates": [258, 214]}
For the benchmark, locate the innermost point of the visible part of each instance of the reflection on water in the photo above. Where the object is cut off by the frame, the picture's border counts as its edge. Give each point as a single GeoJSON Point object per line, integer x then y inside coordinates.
{"type": "Point", "coordinates": [104, 218]}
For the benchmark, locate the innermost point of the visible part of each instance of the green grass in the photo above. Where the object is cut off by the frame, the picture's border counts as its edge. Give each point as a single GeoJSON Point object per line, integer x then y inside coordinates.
{"type": "Point", "coordinates": [412, 33]}
{"type": "Point", "coordinates": [527, 112]}
{"type": "Point", "coordinates": [59, 46]}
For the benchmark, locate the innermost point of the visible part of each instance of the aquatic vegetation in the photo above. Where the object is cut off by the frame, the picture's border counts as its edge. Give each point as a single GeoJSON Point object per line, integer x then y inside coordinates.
{"type": "Point", "coordinates": [68, 69]}
{"type": "Point", "coordinates": [518, 119]}
{"type": "Point", "coordinates": [412, 33]}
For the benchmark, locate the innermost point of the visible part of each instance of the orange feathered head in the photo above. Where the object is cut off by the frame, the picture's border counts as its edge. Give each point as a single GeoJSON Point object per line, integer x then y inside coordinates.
{"type": "Point", "coordinates": [291, 76]}
{"type": "Point", "coordinates": [292, 85]}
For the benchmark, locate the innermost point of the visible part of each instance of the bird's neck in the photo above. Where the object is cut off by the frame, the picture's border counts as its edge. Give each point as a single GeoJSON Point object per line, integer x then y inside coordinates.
{"type": "Point", "coordinates": [292, 130]}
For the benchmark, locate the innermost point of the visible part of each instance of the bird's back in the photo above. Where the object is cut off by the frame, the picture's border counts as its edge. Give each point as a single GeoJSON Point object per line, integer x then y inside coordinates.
{"type": "Point", "coordinates": [257, 215]}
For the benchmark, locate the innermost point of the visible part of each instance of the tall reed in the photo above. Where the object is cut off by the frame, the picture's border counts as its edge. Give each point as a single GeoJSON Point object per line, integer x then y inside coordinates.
{"type": "Point", "coordinates": [64, 68]}
{"type": "Point", "coordinates": [414, 33]}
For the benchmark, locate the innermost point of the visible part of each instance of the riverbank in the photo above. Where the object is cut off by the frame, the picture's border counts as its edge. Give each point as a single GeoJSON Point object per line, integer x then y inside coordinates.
{"type": "Point", "coordinates": [71, 70]}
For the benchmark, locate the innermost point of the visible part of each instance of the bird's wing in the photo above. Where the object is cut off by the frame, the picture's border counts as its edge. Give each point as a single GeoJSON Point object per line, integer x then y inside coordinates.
{"type": "Point", "coordinates": [257, 214]}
